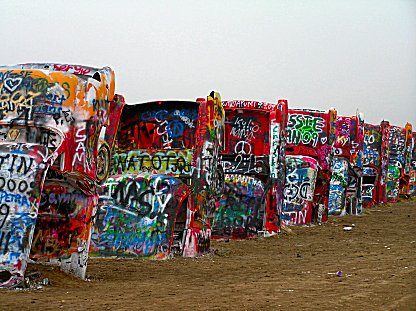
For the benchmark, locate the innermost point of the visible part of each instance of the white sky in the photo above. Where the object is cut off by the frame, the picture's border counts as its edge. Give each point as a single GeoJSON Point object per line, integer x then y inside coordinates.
{"type": "Point", "coordinates": [316, 53]}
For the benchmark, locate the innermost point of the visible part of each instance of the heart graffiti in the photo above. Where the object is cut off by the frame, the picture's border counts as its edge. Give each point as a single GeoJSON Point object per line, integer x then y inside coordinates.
{"type": "Point", "coordinates": [11, 84]}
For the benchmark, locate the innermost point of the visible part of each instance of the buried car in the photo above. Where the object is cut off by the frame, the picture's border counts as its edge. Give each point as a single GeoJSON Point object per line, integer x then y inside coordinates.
{"type": "Point", "coordinates": [375, 163]}
{"type": "Point", "coordinates": [406, 183]}
{"type": "Point", "coordinates": [165, 179]}
{"type": "Point", "coordinates": [253, 163]}
{"type": "Point", "coordinates": [398, 177]}
{"type": "Point", "coordinates": [412, 179]}
{"type": "Point", "coordinates": [345, 189]}
{"type": "Point", "coordinates": [309, 152]}
{"type": "Point", "coordinates": [56, 128]}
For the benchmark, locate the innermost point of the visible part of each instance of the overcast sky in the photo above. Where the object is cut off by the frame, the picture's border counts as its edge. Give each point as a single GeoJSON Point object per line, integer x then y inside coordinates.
{"type": "Point", "coordinates": [318, 53]}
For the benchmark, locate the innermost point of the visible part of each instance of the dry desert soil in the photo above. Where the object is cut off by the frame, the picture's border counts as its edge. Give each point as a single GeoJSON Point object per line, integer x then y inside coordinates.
{"type": "Point", "coordinates": [296, 270]}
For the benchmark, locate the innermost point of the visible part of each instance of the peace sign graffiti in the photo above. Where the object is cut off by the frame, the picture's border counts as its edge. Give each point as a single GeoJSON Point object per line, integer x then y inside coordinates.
{"type": "Point", "coordinates": [175, 128]}
{"type": "Point", "coordinates": [242, 147]}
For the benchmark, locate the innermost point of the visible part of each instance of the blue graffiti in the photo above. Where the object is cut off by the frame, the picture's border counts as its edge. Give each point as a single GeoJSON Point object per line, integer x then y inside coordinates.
{"type": "Point", "coordinates": [136, 217]}
{"type": "Point", "coordinates": [337, 187]}
{"type": "Point", "coordinates": [14, 198]}
{"type": "Point", "coordinates": [240, 212]}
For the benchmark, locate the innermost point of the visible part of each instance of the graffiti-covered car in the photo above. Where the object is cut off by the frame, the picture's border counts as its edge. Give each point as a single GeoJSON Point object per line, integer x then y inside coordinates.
{"type": "Point", "coordinates": [399, 160]}
{"type": "Point", "coordinates": [345, 188]}
{"type": "Point", "coordinates": [412, 178]}
{"type": "Point", "coordinates": [253, 163]}
{"type": "Point", "coordinates": [309, 152]}
{"type": "Point", "coordinates": [56, 128]}
{"type": "Point", "coordinates": [407, 177]}
{"type": "Point", "coordinates": [375, 163]}
{"type": "Point", "coordinates": [165, 179]}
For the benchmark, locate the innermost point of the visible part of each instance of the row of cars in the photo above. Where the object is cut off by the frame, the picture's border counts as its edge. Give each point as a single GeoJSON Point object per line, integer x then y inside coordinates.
{"type": "Point", "coordinates": [84, 174]}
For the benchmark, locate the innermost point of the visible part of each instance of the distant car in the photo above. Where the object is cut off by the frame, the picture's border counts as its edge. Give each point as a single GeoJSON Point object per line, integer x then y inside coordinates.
{"type": "Point", "coordinates": [345, 189]}
{"type": "Point", "coordinates": [165, 179]}
{"type": "Point", "coordinates": [56, 131]}
{"type": "Point", "coordinates": [412, 178]}
{"type": "Point", "coordinates": [375, 163]}
{"type": "Point", "coordinates": [400, 158]}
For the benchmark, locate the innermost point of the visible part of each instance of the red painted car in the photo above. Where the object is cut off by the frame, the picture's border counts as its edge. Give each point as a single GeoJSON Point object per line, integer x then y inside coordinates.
{"type": "Point", "coordinates": [164, 181]}
{"type": "Point", "coordinates": [254, 165]}
{"type": "Point", "coordinates": [310, 134]}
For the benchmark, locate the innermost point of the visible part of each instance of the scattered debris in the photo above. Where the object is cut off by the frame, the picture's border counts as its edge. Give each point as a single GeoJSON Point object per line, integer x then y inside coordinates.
{"type": "Point", "coordinates": [32, 281]}
{"type": "Point", "coordinates": [338, 273]}
{"type": "Point", "coordinates": [349, 227]}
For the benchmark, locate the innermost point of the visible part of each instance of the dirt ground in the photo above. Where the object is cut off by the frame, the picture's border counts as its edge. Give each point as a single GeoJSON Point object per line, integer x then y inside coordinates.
{"type": "Point", "coordinates": [293, 271]}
